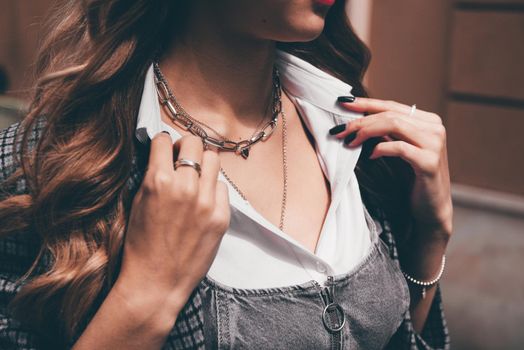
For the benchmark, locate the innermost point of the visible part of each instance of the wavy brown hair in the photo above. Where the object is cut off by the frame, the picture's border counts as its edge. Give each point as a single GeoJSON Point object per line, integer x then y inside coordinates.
{"type": "Point", "coordinates": [90, 77]}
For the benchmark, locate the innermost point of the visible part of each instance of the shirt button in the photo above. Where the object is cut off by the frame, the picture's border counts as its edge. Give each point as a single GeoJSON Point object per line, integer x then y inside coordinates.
{"type": "Point", "coordinates": [321, 268]}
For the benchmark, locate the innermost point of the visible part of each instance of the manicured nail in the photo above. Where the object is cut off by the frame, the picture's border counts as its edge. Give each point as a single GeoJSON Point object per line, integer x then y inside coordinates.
{"type": "Point", "coordinates": [350, 137]}
{"type": "Point", "coordinates": [337, 129]}
{"type": "Point", "coordinates": [346, 99]}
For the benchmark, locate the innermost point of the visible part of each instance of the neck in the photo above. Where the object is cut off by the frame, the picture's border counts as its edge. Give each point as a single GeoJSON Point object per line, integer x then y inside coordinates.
{"type": "Point", "coordinates": [221, 78]}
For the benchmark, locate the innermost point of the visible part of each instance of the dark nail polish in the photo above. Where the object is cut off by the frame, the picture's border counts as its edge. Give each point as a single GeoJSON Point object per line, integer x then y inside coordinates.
{"type": "Point", "coordinates": [167, 132]}
{"type": "Point", "coordinates": [337, 129]}
{"type": "Point", "coordinates": [346, 99]}
{"type": "Point", "coordinates": [350, 137]}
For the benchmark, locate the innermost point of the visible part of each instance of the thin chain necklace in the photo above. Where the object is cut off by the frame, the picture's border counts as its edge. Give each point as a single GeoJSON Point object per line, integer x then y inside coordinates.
{"type": "Point", "coordinates": [284, 170]}
{"type": "Point", "coordinates": [180, 116]}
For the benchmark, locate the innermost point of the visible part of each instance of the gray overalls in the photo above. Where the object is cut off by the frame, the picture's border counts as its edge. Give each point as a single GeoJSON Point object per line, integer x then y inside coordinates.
{"type": "Point", "coordinates": [360, 309]}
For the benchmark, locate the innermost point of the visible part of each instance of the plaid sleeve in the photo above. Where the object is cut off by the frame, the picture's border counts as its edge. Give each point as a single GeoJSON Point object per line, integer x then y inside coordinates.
{"type": "Point", "coordinates": [7, 151]}
{"type": "Point", "coordinates": [10, 149]}
{"type": "Point", "coordinates": [12, 334]}
{"type": "Point", "coordinates": [17, 252]}
{"type": "Point", "coordinates": [435, 334]}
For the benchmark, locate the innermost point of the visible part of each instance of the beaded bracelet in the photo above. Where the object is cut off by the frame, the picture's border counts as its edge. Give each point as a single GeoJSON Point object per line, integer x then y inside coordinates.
{"type": "Point", "coordinates": [425, 284]}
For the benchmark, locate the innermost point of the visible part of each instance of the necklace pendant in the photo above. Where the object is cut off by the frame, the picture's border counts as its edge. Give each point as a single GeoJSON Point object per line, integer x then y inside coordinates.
{"type": "Point", "coordinates": [245, 152]}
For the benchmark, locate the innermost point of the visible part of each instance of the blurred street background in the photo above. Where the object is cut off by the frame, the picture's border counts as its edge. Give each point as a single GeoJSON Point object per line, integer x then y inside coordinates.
{"type": "Point", "coordinates": [463, 60]}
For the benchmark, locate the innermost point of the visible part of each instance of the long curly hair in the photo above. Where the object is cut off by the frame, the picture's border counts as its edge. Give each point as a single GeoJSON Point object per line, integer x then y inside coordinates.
{"type": "Point", "coordinates": [90, 71]}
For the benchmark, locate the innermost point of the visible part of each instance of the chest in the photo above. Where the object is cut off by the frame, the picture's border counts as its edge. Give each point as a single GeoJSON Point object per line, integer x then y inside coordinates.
{"type": "Point", "coordinates": [260, 178]}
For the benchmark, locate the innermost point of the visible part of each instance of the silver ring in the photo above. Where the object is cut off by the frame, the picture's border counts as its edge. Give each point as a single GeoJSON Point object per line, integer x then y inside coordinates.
{"type": "Point", "coordinates": [413, 109]}
{"type": "Point", "coordinates": [187, 162]}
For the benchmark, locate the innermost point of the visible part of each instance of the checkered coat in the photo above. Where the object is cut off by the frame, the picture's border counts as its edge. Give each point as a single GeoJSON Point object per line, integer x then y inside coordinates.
{"type": "Point", "coordinates": [17, 252]}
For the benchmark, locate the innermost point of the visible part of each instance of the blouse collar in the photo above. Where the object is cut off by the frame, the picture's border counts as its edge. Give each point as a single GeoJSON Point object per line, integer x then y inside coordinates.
{"type": "Point", "coordinates": [299, 78]}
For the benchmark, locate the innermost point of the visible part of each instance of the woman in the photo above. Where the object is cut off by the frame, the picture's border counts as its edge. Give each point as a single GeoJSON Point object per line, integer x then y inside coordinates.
{"type": "Point", "coordinates": [265, 232]}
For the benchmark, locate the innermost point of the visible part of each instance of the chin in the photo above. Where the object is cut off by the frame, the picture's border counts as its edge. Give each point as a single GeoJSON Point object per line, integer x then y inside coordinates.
{"type": "Point", "coordinates": [302, 32]}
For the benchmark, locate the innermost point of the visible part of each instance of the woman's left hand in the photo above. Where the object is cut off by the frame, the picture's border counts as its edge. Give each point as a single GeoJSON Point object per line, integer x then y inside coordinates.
{"type": "Point", "coordinates": [419, 139]}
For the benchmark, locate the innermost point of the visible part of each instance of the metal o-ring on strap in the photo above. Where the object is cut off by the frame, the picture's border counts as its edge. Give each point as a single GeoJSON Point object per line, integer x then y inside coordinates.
{"type": "Point", "coordinates": [340, 310]}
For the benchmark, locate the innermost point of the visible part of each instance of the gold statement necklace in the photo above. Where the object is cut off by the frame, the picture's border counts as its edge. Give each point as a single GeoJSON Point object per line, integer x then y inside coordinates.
{"type": "Point", "coordinates": [183, 119]}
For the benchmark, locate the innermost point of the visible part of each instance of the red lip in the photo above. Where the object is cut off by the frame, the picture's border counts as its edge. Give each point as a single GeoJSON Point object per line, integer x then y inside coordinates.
{"type": "Point", "coordinates": [325, 2]}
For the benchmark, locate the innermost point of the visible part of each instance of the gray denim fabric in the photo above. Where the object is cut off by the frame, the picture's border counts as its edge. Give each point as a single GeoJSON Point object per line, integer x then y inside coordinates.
{"type": "Point", "coordinates": [374, 297]}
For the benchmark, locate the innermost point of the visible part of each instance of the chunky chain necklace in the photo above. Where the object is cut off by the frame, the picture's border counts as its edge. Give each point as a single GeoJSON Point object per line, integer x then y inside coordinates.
{"type": "Point", "coordinates": [181, 118]}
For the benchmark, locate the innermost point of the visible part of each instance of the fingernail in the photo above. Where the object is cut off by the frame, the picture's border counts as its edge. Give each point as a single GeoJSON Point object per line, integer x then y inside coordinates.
{"type": "Point", "coordinates": [337, 129]}
{"type": "Point", "coordinates": [346, 99]}
{"type": "Point", "coordinates": [167, 132]}
{"type": "Point", "coordinates": [350, 137]}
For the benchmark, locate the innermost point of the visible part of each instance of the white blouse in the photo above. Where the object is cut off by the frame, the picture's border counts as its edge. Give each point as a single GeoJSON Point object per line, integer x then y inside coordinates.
{"type": "Point", "coordinates": [254, 253]}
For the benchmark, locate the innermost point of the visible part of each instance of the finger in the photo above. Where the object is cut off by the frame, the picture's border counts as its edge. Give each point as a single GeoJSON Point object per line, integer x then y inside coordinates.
{"type": "Point", "coordinates": [429, 135]}
{"type": "Point", "coordinates": [210, 169]}
{"type": "Point", "coordinates": [222, 209]}
{"type": "Point", "coordinates": [189, 147]}
{"type": "Point", "coordinates": [360, 123]}
{"type": "Point", "coordinates": [161, 153]}
{"type": "Point", "coordinates": [222, 196]}
{"type": "Point", "coordinates": [372, 105]}
{"type": "Point", "coordinates": [421, 160]}
{"type": "Point", "coordinates": [396, 128]}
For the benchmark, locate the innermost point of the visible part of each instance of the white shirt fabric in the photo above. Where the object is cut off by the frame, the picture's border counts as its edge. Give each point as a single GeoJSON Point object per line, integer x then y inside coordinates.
{"type": "Point", "coordinates": [254, 253]}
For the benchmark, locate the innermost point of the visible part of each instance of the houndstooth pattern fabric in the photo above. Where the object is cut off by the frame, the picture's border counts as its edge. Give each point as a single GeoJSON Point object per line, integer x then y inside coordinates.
{"type": "Point", "coordinates": [18, 252]}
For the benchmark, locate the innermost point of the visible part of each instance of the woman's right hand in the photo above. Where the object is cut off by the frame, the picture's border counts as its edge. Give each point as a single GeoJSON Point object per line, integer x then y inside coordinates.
{"type": "Point", "coordinates": [177, 221]}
